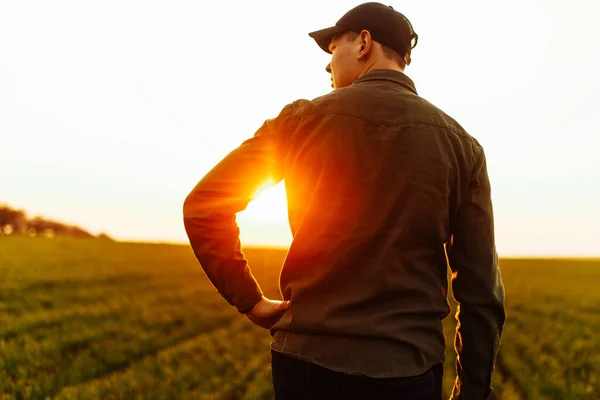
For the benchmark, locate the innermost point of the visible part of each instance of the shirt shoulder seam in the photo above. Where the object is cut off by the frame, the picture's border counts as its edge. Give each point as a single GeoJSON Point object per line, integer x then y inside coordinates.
{"type": "Point", "coordinates": [447, 127]}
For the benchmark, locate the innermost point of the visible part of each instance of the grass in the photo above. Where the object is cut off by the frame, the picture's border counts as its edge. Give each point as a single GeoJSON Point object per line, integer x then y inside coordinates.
{"type": "Point", "coordinates": [85, 319]}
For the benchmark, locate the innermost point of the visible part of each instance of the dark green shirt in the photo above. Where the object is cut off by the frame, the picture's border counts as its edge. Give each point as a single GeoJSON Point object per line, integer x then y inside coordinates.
{"type": "Point", "coordinates": [383, 189]}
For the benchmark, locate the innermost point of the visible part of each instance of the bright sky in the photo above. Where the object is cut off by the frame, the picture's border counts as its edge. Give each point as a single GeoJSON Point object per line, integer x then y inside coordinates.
{"type": "Point", "coordinates": [111, 111]}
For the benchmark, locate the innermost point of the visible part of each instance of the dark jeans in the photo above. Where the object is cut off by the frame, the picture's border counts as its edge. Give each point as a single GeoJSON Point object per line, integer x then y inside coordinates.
{"type": "Point", "coordinates": [298, 380]}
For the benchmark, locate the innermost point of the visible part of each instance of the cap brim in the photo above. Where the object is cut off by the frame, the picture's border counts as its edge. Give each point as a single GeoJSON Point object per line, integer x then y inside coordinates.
{"type": "Point", "coordinates": [324, 36]}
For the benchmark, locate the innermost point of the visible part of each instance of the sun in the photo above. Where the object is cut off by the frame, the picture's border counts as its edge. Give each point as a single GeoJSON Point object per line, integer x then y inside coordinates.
{"type": "Point", "coordinates": [269, 204]}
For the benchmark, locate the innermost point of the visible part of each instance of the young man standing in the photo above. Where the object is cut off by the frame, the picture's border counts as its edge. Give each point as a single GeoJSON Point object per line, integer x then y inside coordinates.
{"type": "Point", "coordinates": [383, 189]}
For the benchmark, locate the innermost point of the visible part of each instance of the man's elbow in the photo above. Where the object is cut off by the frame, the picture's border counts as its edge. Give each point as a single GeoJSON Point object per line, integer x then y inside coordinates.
{"type": "Point", "coordinates": [198, 206]}
{"type": "Point", "coordinates": [190, 206]}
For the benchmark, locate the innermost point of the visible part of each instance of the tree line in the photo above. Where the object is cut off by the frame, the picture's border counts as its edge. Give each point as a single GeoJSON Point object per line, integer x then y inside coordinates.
{"type": "Point", "coordinates": [16, 222]}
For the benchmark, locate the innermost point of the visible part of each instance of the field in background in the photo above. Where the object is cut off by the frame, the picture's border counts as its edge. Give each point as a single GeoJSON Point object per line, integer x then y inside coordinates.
{"type": "Point", "coordinates": [84, 319]}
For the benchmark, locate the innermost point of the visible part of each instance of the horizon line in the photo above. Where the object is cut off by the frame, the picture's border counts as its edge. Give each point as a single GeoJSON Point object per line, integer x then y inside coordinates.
{"type": "Point", "coordinates": [593, 257]}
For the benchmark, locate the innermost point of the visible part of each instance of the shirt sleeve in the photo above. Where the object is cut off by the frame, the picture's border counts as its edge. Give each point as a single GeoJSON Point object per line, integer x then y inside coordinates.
{"type": "Point", "coordinates": [477, 288]}
{"type": "Point", "coordinates": [209, 212]}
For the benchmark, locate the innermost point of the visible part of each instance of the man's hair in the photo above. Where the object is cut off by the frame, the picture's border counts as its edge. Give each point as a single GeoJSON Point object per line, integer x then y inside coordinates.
{"type": "Point", "coordinates": [387, 52]}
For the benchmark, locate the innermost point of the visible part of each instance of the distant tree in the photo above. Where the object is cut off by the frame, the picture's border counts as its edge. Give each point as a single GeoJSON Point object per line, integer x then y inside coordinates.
{"type": "Point", "coordinates": [15, 218]}
{"type": "Point", "coordinates": [76, 231]}
{"type": "Point", "coordinates": [36, 226]}
{"type": "Point", "coordinates": [104, 236]}
{"type": "Point", "coordinates": [16, 221]}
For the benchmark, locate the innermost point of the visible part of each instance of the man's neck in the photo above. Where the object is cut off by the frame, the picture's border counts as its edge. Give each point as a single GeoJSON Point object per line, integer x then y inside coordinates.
{"type": "Point", "coordinates": [380, 64]}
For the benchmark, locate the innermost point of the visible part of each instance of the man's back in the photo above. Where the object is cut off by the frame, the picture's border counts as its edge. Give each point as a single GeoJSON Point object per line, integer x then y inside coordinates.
{"type": "Point", "coordinates": [383, 190]}
{"type": "Point", "coordinates": [375, 178]}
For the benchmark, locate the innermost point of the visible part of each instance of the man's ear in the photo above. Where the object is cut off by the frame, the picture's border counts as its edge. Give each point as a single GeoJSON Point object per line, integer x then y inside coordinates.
{"type": "Point", "coordinates": [366, 44]}
{"type": "Point", "coordinates": [407, 59]}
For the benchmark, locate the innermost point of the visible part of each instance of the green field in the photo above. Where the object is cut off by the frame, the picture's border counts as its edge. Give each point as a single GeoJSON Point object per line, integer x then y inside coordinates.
{"type": "Point", "coordinates": [86, 319]}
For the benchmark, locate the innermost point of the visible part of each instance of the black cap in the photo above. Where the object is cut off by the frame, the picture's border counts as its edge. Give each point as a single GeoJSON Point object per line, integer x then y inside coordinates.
{"type": "Point", "coordinates": [386, 25]}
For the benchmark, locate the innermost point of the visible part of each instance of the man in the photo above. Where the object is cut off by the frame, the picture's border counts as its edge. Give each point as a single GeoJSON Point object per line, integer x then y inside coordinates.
{"type": "Point", "coordinates": [378, 182]}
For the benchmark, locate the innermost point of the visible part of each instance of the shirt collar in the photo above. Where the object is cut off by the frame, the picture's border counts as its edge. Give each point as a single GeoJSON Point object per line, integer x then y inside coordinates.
{"type": "Point", "coordinates": [388, 75]}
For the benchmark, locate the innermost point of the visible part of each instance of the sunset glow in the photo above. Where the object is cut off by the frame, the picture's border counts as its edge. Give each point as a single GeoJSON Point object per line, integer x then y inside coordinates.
{"type": "Point", "coordinates": [269, 204]}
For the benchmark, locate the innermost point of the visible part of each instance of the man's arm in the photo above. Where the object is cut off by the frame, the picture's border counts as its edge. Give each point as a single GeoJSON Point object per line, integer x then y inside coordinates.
{"type": "Point", "coordinates": [209, 213]}
{"type": "Point", "coordinates": [477, 288]}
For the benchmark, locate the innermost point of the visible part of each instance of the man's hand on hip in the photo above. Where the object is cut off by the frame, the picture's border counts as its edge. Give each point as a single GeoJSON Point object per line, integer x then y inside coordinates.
{"type": "Point", "coordinates": [266, 312]}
